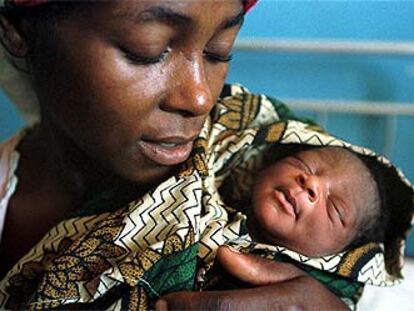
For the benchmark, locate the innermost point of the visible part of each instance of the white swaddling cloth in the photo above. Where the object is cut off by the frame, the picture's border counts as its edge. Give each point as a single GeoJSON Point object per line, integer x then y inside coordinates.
{"type": "Point", "coordinates": [398, 297]}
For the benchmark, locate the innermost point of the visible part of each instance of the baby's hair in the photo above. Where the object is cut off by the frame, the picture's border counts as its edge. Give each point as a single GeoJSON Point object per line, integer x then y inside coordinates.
{"type": "Point", "coordinates": [280, 151]}
{"type": "Point", "coordinates": [374, 223]}
{"type": "Point", "coordinates": [396, 201]}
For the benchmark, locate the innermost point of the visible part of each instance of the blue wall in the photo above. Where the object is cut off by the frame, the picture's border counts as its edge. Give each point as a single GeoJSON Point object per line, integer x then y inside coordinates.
{"type": "Point", "coordinates": [387, 20]}
{"type": "Point", "coordinates": [10, 120]}
{"type": "Point", "coordinates": [347, 77]}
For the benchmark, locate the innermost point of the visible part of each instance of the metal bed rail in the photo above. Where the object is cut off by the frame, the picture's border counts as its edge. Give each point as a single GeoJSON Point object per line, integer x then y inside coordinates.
{"type": "Point", "coordinates": [376, 47]}
{"type": "Point", "coordinates": [390, 110]}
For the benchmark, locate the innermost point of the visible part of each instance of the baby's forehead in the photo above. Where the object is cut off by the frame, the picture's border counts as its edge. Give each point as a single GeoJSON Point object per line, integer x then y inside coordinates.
{"type": "Point", "coordinates": [340, 163]}
{"type": "Point", "coordinates": [348, 163]}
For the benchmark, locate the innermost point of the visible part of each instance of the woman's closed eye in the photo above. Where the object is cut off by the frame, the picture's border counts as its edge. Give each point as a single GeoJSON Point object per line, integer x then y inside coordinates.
{"type": "Point", "coordinates": [216, 58]}
{"type": "Point", "coordinates": [138, 59]}
{"type": "Point", "coordinates": [219, 49]}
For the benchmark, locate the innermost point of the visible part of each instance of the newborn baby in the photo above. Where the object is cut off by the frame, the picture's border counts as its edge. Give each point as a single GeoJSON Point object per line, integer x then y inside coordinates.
{"type": "Point", "coordinates": [317, 202]}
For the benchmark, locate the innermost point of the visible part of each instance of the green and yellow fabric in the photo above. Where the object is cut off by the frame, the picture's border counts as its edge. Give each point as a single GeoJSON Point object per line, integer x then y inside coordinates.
{"type": "Point", "coordinates": [123, 253]}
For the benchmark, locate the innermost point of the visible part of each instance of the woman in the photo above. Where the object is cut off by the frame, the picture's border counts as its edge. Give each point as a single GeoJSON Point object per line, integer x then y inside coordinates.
{"type": "Point", "coordinates": [124, 89]}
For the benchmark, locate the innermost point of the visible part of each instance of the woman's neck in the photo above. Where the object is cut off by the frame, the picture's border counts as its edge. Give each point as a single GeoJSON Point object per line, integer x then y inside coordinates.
{"type": "Point", "coordinates": [50, 156]}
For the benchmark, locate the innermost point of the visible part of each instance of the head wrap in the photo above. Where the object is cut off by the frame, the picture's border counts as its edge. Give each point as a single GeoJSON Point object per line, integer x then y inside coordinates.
{"type": "Point", "coordinates": [247, 4]}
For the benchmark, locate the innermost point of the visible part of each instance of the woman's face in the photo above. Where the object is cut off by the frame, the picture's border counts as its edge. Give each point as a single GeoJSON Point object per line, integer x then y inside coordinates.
{"type": "Point", "coordinates": [131, 83]}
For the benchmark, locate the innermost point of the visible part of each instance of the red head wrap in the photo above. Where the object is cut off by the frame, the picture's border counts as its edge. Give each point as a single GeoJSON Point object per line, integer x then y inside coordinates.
{"type": "Point", "coordinates": [248, 4]}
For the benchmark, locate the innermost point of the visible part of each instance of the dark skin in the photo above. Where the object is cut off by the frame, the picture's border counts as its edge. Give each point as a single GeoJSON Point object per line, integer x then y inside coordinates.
{"type": "Point", "coordinates": [128, 91]}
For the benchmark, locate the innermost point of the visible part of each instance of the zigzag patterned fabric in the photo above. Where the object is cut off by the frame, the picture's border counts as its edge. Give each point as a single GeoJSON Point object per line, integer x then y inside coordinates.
{"type": "Point", "coordinates": [116, 255]}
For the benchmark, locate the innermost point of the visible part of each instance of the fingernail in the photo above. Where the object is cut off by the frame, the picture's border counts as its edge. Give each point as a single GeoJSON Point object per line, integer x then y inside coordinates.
{"type": "Point", "coordinates": [161, 305]}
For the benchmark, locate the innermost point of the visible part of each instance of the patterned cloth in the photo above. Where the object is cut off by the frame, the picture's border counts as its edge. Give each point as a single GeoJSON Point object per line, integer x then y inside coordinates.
{"type": "Point", "coordinates": [119, 253]}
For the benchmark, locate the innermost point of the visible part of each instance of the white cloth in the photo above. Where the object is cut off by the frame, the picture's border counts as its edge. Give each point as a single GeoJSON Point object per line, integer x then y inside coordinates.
{"type": "Point", "coordinates": [9, 158]}
{"type": "Point", "coordinates": [398, 297]}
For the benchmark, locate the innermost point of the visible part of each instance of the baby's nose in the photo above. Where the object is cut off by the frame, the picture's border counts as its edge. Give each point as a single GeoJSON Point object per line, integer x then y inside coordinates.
{"type": "Point", "coordinates": [312, 192]}
{"type": "Point", "coordinates": [310, 184]}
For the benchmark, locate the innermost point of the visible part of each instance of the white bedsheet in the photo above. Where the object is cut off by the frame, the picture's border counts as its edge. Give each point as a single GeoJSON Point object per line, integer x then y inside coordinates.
{"type": "Point", "coordinates": [399, 297]}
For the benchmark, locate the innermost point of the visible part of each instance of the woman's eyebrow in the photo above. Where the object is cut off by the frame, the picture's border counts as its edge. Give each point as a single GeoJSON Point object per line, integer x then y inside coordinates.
{"type": "Point", "coordinates": [160, 14]}
{"type": "Point", "coordinates": [166, 15]}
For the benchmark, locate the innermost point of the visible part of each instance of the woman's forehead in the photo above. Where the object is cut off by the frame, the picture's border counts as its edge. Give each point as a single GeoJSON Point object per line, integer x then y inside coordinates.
{"type": "Point", "coordinates": [247, 4]}
{"type": "Point", "coordinates": [176, 13]}
{"type": "Point", "coordinates": [186, 13]}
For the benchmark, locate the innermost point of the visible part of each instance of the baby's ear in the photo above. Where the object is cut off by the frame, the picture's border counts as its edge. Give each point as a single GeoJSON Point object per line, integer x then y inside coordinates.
{"type": "Point", "coordinates": [12, 39]}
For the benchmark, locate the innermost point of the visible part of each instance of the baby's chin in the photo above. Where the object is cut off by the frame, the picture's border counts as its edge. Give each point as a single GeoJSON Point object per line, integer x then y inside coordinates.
{"type": "Point", "coordinates": [311, 252]}
{"type": "Point", "coordinates": [261, 237]}
{"type": "Point", "coordinates": [255, 233]}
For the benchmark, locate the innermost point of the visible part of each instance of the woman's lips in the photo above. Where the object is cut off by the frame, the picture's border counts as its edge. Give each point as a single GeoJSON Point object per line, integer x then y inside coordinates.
{"type": "Point", "coordinates": [283, 202]}
{"type": "Point", "coordinates": [166, 152]}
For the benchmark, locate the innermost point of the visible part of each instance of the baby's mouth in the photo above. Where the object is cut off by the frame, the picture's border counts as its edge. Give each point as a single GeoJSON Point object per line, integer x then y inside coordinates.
{"type": "Point", "coordinates": [286, 200]}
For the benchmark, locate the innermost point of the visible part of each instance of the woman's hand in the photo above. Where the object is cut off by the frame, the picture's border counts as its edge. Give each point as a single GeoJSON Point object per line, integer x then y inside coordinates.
{"type": "Point", "coordinates": [281, 286]}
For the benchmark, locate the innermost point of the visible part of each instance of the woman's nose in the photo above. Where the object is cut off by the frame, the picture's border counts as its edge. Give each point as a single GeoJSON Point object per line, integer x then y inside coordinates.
{"type": "Point", "coordinates": [311, 185]}
{"type": "Point", "coordinates": [189, 92]}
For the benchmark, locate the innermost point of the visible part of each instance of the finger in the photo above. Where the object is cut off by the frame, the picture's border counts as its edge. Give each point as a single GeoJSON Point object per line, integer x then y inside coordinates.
{"type": "Point", "coordinates": [301, 293]}
{"type": "Point", "coordinates": [254, 269]}
{"type": "Point", "coordinates": [213, 300]}
{"type": "Point", "coordinates": [191, 301]}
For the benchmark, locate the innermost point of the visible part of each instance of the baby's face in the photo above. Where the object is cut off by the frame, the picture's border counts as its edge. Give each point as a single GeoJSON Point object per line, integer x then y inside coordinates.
{"type": "Point", "coordinates": [311, 202]}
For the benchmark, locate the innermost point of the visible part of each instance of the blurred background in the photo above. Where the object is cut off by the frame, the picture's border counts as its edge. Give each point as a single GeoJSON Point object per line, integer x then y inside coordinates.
{"type": "Point", "coordinates": [347, 64]}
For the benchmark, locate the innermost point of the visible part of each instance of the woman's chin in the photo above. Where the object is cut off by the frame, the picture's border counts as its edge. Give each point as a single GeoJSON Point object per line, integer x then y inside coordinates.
{"type": "Point", "coordinates": [148, 176]}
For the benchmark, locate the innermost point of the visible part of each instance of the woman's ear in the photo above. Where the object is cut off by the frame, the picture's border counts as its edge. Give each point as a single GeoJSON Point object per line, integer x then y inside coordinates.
{"type": "Point", "coordinates": [12, 38]}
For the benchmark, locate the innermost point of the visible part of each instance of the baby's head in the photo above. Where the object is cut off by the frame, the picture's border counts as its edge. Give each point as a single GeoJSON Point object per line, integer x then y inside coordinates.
{"type": "Point", "coordinates": [318, 201]}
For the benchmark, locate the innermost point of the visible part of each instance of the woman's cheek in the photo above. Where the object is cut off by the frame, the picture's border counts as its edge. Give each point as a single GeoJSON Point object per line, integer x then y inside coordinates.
{"type": "Point", "coordinates": [216, 78]}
